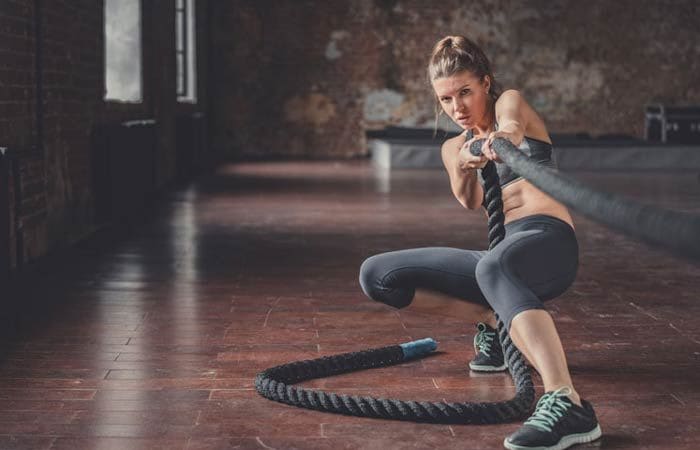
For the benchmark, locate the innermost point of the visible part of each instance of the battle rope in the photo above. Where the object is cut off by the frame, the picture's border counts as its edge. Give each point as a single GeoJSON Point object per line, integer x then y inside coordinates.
{"type": "Point", "coordinates": [674, 230]}
{"type": "Point", "coordinates": [276, 383]}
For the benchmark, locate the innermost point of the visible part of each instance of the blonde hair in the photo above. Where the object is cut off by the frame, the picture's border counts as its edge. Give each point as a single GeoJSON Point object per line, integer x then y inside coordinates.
{"type": "Point", "coordinates": [454, 54]}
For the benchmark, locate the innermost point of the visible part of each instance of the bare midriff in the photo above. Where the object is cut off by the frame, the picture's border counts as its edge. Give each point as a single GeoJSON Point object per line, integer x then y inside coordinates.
{"type": "Point", "coordinates": [521, 199]}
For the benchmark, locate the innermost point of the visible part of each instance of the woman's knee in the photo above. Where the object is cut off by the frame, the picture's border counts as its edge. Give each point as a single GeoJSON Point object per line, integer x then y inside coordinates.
{"type": "Point", "coordinates": [490, 277]}
{"type": "Point", "coordinates": [511, 314]}
{"type": "Point", "coordinates": [373, 280]}
{"type": "Point", "coordinates": [506, 294]}
{"type": "Point", "coordinates": [369, 276]}
{"type": "Point", "coordinates": [488, 271]}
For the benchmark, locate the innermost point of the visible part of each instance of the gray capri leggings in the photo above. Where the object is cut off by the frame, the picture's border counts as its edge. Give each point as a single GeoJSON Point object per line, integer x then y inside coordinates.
{"type": "Point", "coordinates": [537, 261]}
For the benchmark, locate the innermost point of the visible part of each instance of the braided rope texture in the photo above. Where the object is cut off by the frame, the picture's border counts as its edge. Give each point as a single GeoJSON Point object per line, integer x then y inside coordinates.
{"type": "Point", "coordinates": [276, 383]}
{"type": "Point", "coordinates": [675, 231]}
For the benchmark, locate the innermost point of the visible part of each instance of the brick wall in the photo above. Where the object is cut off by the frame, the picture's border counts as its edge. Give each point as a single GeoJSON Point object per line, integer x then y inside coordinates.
{"type": "Point", "coordinates": [304, 79]}
{"type": "Point", "coordinates": [17, 120]}
{"type": "Point", "coordinates": [52, 150]}
{"type": "Point", "coordinates": [16, 72]}
{"type": "Point", "coordinates": [50, 154]}
{"type": "Point", "coordinates": [72, 94]}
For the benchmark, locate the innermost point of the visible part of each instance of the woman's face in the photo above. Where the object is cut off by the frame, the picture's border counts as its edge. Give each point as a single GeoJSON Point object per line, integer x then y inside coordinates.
{"type": "Point", "coordinates": [463, 97]}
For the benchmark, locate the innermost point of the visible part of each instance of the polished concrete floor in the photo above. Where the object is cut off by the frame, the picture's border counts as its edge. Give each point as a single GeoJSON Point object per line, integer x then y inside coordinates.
{"type": "Point", "coordinates": [151, 338]}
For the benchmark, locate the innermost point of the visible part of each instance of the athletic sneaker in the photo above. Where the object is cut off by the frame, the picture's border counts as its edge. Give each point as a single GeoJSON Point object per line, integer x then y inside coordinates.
{"type": "Point", "coordinates": [556, 424]}
{"type": "Point", "coordinates": [489, 355]}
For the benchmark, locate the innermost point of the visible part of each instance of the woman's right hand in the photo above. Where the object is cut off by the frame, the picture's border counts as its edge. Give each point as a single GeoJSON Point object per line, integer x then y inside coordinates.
{"type": "Point", "coordinates": [466, 161]}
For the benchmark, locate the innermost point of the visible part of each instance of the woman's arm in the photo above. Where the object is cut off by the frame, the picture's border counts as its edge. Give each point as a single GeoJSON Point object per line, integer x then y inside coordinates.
{"type": "Point", "coordinates": [511, 115]}
{"type": "Point", "coordinates": [464, 183]}
{"type": "Point", "coordinates": [512, 112]}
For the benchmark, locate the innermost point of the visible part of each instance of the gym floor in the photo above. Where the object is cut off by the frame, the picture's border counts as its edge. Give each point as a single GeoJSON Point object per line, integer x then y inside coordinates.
{"type": "Point", "coordinates": [162, 329]}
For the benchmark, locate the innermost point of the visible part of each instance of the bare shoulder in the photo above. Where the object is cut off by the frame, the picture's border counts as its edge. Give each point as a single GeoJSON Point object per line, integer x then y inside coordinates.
{"type": "Point", "coordinates": [513, 99]}
{"type": "Point", "coordinates": [454, 142]}
{"type": "Point", "coordinates": [450, 149]}
{"type": "Point", "coordinates": [534, 124]}
{"type": "Point", "coordinates": [509, 95]}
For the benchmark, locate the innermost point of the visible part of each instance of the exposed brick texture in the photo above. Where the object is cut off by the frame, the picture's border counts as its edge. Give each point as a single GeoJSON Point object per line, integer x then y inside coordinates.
{"type": "Point", "coordinates": [17, 118]}
{"type": "Point", "coordinates": [55, 172]}
{"type": "Point", "coordinates": [72, 97]}
{"type": "Point", "coordinates": [306, 78]}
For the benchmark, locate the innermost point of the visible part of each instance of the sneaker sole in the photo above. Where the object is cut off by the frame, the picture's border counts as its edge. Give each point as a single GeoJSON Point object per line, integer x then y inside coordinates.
{"type": "Point", "coordinates": [565, 442]}
{"type": "Point", "coordinates": [479, 368]}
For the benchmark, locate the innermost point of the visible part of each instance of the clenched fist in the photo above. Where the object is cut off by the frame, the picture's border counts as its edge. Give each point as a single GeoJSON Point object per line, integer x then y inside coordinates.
{"type": "Point", "coordinates": [466, 161]}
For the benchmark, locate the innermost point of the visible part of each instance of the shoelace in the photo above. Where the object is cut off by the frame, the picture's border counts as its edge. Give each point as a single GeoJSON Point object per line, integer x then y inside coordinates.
{"type": "Point", "coordinates": [550, 408]}
{"type": "Point", "coordinates": [483, 339]}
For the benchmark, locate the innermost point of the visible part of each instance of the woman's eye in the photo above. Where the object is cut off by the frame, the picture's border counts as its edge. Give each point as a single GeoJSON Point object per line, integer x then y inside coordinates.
{"type": "Point", "coordinates": [465, 91]}
{"type": "Point", "coordinates": [445, 99]}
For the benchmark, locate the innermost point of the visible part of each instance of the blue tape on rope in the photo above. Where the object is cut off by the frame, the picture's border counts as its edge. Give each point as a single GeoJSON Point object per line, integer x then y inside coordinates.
{"type": "Point", "coordinates": [416, 349]}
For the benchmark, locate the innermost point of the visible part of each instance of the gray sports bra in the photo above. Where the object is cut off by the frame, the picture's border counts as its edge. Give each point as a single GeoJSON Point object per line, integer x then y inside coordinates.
{"type": "Point", "coordinates": [538, 150]}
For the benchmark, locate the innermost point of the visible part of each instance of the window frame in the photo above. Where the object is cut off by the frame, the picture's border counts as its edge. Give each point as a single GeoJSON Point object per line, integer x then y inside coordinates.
{"type": "Point", "coordinates": [186, 51]}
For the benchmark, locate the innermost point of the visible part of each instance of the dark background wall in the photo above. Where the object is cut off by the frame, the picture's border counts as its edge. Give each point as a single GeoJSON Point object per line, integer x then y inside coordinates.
{"type": "Point", "coordinates": [306, 79]}
{"type": "Point", "coordinates": [17, 115]}
{"type": "Point", "coordinates": [297, 78]}
{"type": "Point", "coordinates": [72, 73]}
{"type": "Point", "coordinates": [60, 46]}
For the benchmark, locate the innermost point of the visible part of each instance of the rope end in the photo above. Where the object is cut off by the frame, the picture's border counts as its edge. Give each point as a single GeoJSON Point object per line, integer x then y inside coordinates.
{"type": "Point", "coordinates": [419, 348]}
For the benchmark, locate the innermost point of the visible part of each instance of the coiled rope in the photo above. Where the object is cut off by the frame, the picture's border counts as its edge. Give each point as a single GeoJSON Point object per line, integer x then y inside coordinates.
{"type": "Point", "coordinates": [276, 383]}
{"type": "Point", "coordinates": [673, 230]}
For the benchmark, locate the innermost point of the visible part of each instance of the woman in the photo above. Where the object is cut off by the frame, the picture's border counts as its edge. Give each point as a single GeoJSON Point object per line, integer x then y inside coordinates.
{"type": "Point", "coordinates": [537, 260]}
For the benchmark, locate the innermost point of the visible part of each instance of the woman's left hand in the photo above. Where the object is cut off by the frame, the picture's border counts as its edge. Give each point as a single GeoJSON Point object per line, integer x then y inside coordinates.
{"type": "Point", "coordinates": [489, 152]}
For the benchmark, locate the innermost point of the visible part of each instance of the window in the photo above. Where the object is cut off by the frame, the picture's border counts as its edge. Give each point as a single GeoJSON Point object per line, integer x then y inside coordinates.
{"type": "Point", "coordinates": [123, 50]}
{"type": "Point", "coordinates": [185, 47]}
